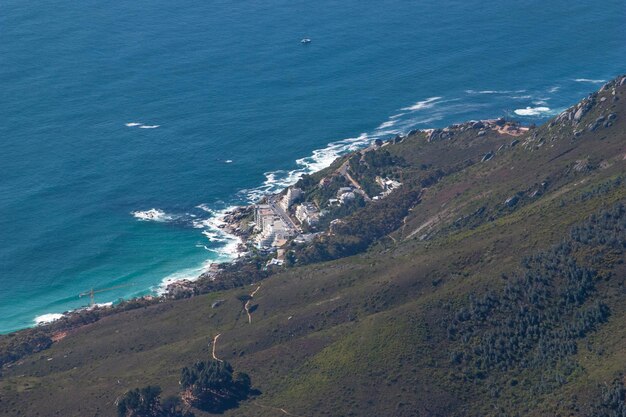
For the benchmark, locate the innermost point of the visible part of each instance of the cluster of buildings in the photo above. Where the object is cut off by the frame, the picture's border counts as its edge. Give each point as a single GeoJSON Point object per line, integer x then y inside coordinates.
{"type": "Point", "coordinates": [345, 194]}
{"type": "Point", "coordinates": [307, 213]}
{"type": "Point", "coordinates": [388, 185]}
{"type": "Point", "coordinates": [273, 230]}
{"type": "Point", "coordinates": [273, 221]}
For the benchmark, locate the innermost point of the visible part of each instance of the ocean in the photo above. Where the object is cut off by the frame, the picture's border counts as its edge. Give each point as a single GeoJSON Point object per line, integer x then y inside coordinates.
{"type": "Point", "coordinates": [127, 127]}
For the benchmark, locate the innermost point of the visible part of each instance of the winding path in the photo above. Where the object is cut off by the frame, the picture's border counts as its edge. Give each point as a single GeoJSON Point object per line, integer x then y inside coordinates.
{"type": "Point", "coordinates": [247, 305]}
{"type": "Point", "coordinates": [214, 346]}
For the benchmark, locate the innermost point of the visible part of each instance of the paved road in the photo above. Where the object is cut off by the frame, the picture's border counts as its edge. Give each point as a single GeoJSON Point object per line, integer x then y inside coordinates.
{"type": "Point", "coordinates": [276, 208]}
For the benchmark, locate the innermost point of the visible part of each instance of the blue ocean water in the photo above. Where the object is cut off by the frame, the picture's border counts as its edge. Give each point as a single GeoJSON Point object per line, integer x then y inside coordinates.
{"type": "Point", "coordinates": [114, 108]}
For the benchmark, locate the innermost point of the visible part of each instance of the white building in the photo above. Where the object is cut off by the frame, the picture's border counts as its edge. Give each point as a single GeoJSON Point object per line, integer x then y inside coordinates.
{"type": "Point", "coordinates": [293, 194]}
{"type": "Point", "coordinates": [345, 197]}
{"type": "Point", "coordinates": [343, 190]}
{"type": "Point", "coordinates": [275, 233]}
{"type": "Point", "coordinates": [262, 213]}
{"type": "Point", "coordinates": [388, 185]}
{"type": "Point", "coordinates": [307, 213]}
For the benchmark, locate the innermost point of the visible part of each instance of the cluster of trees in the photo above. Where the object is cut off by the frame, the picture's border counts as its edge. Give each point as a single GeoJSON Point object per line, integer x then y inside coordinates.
{"type": "Point", "coordinates": [358, 231]}
{"type": "Point", "coordinates": [612, 402]}
{"type": "Point", "coordinates": [605, 229]}
{"type": "Point", "coordinates": [321, 194]}
{"type": "Point", "coordinates": [372, 164]}
{"type": "Point", "coordinates": [211, 386]}
{"type": "Point", "coordinates": [536, 320]}
{"type": "Point", "coordinates": [146, 402]}
{"type": "Point", "coordinates": [207, 385]}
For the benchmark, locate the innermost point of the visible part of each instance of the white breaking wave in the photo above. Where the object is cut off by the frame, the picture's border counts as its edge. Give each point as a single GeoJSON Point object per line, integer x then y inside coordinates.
{"type": "Point", "coordinates": [587, 80]}
{"type": "Point", "coordinates": [532, 111]}
{"type": "Point", "coordinates": [141, 125]}
{"type": "Point", "coordinates": [228, 161]}
{"type": "Point", "coordinates": [386, 124]}
{"type": "Point", "coordinates": [495, 91]}
{"type": "Point", "coordinates": [424, 104]}
{"type": "Point", "coordinates": [47, 318]}
{"type": "Point", "coordinates": [400, 123]}
{"type": "Point", "coordinates": [189, 274]}
{"type": "Point", "coordinates": [319, 159]}
{"type": "Point", "coordinates": [154, 215]}
{"type": "Point", "coordinates": [214, 231]}
{"type": "Point", "coordinates": [554, 89]}
{"type": "Point", "coordinates": [226, 252]}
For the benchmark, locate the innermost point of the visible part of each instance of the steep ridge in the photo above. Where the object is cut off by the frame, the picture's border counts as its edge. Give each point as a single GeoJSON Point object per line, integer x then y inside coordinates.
{"type": "Point", "coordinates": [499, 248]}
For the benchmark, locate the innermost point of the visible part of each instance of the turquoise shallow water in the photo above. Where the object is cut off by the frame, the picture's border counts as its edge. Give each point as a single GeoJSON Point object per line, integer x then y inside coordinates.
{"type": "Point", "coordinates": [238, 106]}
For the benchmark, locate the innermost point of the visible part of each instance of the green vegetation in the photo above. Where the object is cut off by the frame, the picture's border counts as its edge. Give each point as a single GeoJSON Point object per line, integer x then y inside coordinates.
{"type": "Point", "coordinates": [146, 402]}
{"type": "Point", "coordinates": [356, 232]}
{"type": "Point", "coordinates": [369, 165]}
{"type": "Point", "coordinates": [206, 385]}
{"type": "Point", "coordinates": [535, 321]}
{"type": "Point", "coordinates": [613, 401]}
{"type": "Point", "coordinates": [210, 386]}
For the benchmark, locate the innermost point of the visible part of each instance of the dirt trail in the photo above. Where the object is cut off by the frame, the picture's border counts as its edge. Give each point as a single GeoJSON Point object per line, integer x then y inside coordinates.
{"type": "Point", "coordinates": [214, 346]}
{"type": "Point", "coordinates": [282, 410]}
{"type": "Point", "coordinates": [343, 170]}
{"type": "Point", "coordinates": [247, 305]}
{"type": "Point", "coordinates": [431, 221]}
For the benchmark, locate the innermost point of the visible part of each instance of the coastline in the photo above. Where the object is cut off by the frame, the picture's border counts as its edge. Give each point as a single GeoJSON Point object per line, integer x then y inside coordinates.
{"type": "Point", "coordinates": [221, 227]}
{"type": "Point", "coordinates": [227, 224]}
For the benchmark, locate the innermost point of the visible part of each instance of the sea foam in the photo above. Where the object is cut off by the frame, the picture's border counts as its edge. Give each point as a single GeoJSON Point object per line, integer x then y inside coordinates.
{"type": "Point", "coordinates": [495, 91]}
{"type": "Point", "coordinates": [318, 160]}
{"type": "Point", "coordinates": [155, 215]}
{"type": "Point", "coordinates": [424, 104]}
{"type": "Point", "coordinates": [47, 318]}
{"type": "Point", "coordinates": [532, 111]}
{"type": "Point", "coordinates": [227, 246]}
{"type": "Point", "coordinates": [587, 80]}
{"type": "Point", "coordinates": [388, 123]}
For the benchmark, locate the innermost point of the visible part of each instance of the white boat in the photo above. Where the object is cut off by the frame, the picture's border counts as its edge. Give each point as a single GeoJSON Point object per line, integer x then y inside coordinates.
{"type": "Point", "coordinates": [305, 40]}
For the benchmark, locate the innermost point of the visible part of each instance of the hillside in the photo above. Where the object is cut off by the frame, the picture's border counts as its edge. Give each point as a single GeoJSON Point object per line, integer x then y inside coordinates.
{"type": "Point", "coordinates": [499, 290]}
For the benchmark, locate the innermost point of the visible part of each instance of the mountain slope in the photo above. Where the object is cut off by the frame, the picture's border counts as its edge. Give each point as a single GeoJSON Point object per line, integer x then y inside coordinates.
{"type": "Point", "coordinates": [380, 333]}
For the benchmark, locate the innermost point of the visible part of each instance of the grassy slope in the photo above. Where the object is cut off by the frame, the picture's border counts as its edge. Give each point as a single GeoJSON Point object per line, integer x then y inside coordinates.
{"type": "Point", "coordinates": [362, 335]}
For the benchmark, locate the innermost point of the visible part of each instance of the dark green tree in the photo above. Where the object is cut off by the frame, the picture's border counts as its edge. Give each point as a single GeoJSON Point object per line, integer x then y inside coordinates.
{"type": "Point", "coordinates": [210, 386]}
{"type": "Point", "coordinates": [141, 402]}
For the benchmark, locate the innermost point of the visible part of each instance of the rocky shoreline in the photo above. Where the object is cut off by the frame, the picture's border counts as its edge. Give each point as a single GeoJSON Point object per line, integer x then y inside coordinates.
{"type": "Point", "coordinates": [234, 222]}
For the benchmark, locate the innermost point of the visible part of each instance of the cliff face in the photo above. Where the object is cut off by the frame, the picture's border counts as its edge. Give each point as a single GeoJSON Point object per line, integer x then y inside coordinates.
{"type": "Point", "coordinates": [499, 291]}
